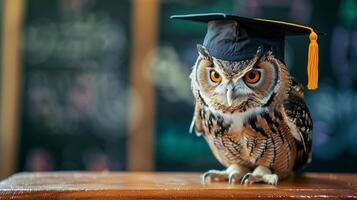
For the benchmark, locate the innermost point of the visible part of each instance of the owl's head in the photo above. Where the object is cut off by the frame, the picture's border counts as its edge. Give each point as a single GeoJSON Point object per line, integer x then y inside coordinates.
{"type": "Point", "coordinates": [231, 86]}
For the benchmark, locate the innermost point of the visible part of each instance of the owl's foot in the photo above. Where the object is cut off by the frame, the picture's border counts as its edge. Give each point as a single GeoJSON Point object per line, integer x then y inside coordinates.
{"type": "Point", "coordinates": [233, 174]}
{"type": "Point", "coordinates": [260, 174]}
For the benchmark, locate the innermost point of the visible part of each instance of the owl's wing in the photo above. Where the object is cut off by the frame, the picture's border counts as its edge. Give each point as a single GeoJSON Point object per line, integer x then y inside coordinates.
{"type": "Point", "coordinates": [300, 123]}
{"type": "Point", "coordinates": [197, 120]}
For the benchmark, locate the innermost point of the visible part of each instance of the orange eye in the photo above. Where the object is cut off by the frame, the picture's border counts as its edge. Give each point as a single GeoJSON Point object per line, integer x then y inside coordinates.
{"type": "Point", "coordinates": [215, 77]}
{"type": "Point", "coordinates": [252, 76]}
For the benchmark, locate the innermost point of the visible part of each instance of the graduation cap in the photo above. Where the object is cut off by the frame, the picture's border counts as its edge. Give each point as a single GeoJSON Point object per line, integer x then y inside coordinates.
{"type": "Point", "coordinates": [234, 38]}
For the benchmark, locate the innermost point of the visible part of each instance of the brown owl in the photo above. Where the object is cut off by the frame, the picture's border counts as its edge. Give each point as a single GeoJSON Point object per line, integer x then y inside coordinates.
{"type": "Point", "coordinates": [249, 109]}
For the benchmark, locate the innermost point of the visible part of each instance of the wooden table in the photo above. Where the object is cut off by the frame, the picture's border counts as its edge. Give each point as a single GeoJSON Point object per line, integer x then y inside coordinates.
{"type": "Point", "coordinates": [123, 185]}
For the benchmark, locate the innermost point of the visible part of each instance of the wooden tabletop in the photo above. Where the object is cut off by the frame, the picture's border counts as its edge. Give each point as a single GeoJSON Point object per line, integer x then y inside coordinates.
{"type": "Point", "coordinates": [124, 185]}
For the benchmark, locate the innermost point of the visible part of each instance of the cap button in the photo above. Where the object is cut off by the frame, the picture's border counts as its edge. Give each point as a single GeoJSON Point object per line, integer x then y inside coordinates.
{"type": "Point", "coordinates": [313, 36]}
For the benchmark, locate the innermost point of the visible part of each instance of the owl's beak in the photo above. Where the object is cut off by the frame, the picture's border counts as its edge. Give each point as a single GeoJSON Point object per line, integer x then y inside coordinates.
{"type": "Point", "coordinates": [230, 89]}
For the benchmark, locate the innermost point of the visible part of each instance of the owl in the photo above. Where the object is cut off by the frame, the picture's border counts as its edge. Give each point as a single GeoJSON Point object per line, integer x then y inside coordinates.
{"type": "Point", "coordinates": [253, 116]}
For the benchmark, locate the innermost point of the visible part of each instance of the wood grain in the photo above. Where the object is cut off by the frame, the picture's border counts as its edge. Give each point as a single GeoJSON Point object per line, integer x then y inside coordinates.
{"type": "Point", "coordinates": [110, 185]}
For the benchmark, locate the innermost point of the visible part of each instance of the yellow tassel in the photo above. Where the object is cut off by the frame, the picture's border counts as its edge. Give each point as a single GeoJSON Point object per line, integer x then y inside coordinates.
{"type": "Point", "coordinates": [313, 55]}
{"type": "Point", "coordinates": [313, 62]}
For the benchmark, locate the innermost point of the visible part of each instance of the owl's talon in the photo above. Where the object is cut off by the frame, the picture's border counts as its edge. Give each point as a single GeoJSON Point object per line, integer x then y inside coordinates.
{"type": "Point", "coordinates": [230, 179]}
{"type": "Point", "coordinates": [253, 179]}
{"type": "Point", "coordinates": [233, 177]}
{"type": "Point", "coordinates": [245, 178]}
{"type": "Point", "coordinates": [203, 178]}
{"type": "Point", "coordinates": [213, 175]}
{"type": "Point", "coordinates": [233, 173]}
{"type": "Point", "coordinates": [260, 174]}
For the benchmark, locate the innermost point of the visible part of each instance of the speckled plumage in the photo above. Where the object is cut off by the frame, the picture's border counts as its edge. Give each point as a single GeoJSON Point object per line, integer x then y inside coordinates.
{"type": "Point", "coordinates": [266, 125]}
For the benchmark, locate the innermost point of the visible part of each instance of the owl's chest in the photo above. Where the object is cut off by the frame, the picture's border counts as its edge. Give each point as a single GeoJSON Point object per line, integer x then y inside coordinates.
{"type": "Point", "coordinates": [250, 139]}
{"type": "Point", "coordinates": [226, 124]}
{"type": "Point", "coordinates": [228, 137]}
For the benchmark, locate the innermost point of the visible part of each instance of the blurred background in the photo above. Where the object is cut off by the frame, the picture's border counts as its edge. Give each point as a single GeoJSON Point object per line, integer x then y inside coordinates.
{"type": "Point", "coordinates": [103, 85]}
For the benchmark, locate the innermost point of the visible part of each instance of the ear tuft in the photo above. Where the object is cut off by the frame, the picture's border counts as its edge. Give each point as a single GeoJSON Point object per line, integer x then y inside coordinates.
{"type": "Point", "coordinates": [203, 51]}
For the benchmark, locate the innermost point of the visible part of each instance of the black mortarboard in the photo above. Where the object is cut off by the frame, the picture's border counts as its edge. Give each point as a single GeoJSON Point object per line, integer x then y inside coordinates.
{"type": "Point", "coordinates": [234, 38]}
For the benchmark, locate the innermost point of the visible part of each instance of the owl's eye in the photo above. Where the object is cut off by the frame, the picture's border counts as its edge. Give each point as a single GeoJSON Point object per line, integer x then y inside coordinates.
{"type": "Point", "coordinates": [214, 76]}
{"type": "Point", "coordinates": [253, 76]}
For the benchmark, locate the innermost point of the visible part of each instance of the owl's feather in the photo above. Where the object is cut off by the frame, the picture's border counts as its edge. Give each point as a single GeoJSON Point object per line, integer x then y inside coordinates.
{"type": "Point", "coordinates": [197, 121]}
{"type": "Point", "coordinates": [300, 123]}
